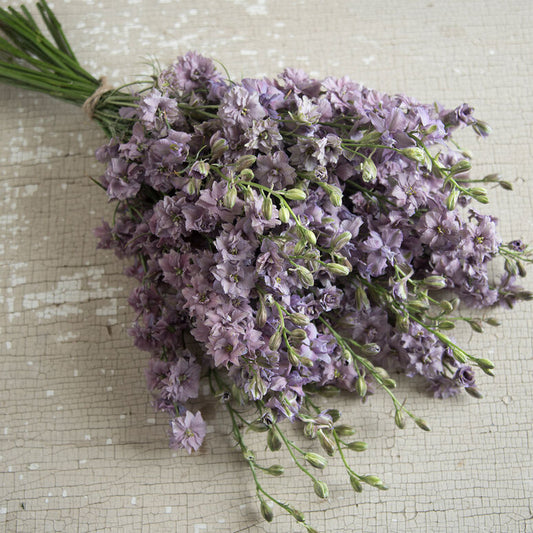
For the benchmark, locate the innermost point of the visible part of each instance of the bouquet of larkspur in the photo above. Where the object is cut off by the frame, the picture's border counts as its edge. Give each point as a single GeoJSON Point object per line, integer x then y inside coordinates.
{"type": "Point", "coordinates": [291, 238]}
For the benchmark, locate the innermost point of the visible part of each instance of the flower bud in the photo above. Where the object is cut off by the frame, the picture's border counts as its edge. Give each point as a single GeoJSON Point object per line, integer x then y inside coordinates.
{"type": "Point", "coordinates": [493, 322]}
{"type": "Point", "coordinates": [417, 154]}
{"type": "Point", "coordinates": [462, 166]}
{"type": "Point", "coordinates": [295, 194]}
{"type": "Point", "coordinates": [335, 196]}
{"type": "Point", "coordinates": [506, 185]}
{"type": "Point", "coordinates": [421, 423]}
{"type": "Point", "coordinates": [451, 201]}
{"type": "Point", "coordinates": [297, 336]}
{"type": "Point", "coordinates": [218, 148]}
{"type": "Point", "coordinates": [370, 348]}
{"type": "Point", "coordinates": [309, 236]}
{"type": "Point", "coordinates": [521, 269]}
{"type": "Point", "coordinates": [357, 446]}
{"type": "Point", "coordinates": [399, 419]}
{"type": "Point", "coordinates": [299, 319]}
{"type": "Point", "coordinates": [292, 356]}
{"type": "Point", "coordinates": [321, 489]}
{"type": "Point", "coordinates": [261, 316]}
{"type": "Point", "coordinates": [284, 214]}
{"type": "Point", "coordinates": [474, 392]}
{"type": "Point", "coordinates": [446, 324]}
{"type": "Point", "coordinates": [275, 341]}
{"type": "Point", "coordinates": [273, 440]}
{"type": "Point", "coordinates": [485, 363]}
{"type": "Point", "coordinates": [337, 270]}
{"type": "Point", "coordinates": [316, 460]}
{"type": "Point", "coordinates": [327, 443]}
{"type": "Point", "coordinates": [446, 306]}
{"type": "Point", "coordinates": [247, 174]}
{"type": "Point", "coordinates": [266, 511]}
{"type": "Point", "coordinates": [361, 299]}
{"type": "Point", "coordinates": [275, 470]}
{"type": "Point", "coordinates": [340, 241]}
{"type": "Point", "coordinates": [245, 161]}
{"type": "Point", "coordinates": [230, 197]}
{"type": "Point", "coordinates": [402, 323]}
{"type": "Point", "coordinates": [355, 483]}
{"type": "Point", "coordinates": [370, 171]}
{"type": "Point", "coordinates": [476, 326]}
{"type": "Point", "coordinates": [361, 386]}
{"type": "Point", "coordinates": [343, 430]}
{"type": "Point", "coordinates": [435, 282]}
{"type": "Point", "coordinates": [329, 391]}
{"type": "Point", "coordinates": [389, 383]}
{"type": "Point", "coordinates": [481, 128]}
{"type": "Point", "coordinates": [267, 207]}
{"type": "Point", "coordinates": [305, 276]}
{"type": "Point", "coordinates": [374, 481]}
{"type": "Point", "coordinates": [310, 430]}
{"type": "Point", "coordinates": [479, 194]}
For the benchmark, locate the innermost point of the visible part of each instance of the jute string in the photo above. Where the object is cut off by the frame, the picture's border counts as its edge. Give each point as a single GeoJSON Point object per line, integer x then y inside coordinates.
{"type": "Point", "coordinates": [90, 104]}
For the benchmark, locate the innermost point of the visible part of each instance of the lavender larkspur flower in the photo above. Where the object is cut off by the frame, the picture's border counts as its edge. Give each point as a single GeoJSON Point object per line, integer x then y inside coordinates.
{"type": "Point", "coordinates": [187, 431]}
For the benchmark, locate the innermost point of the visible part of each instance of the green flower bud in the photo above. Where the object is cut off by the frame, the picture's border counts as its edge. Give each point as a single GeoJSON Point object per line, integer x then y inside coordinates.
{"type": "Point", "coordinates": [247, 174]}
{"type": "Point", "coordinates": [451, 201]}
{"type": "Point", "coordinates": [266, 511]}
{"type": "Point", "coordinates": [337, 270]}
{"type": "Point", "coordinates": [321, 489]}
{"type": "Point", "coordinates": [316, 460]}
{"type": "Point", "coordinates": [421, 423]}
{"type": "Point", "coordinates": [275, 470]}
{"type": "Point", "coordinates": [299, 319]}
{"type": "Point", "coordinates": [284, 214]}
{"type": "Point", "coordinates": [305, 276]}
{"type": "Point", "coordinates": [230, 197]}
{"type": "Point", "coordinates": [369, 170]}
{"type": "Point", "coordinates": [340, 241]}
{"type": "Point", "coordinates": [275, 341]}
{"type": "Point", "coordinates": [309, 236]}
{"type": "Point", "coordinates": [267, 207]}
{"type": "Point", "coordinates": [219, 147]}
{"type": "Point", "coordinates": [481, 128]}
{"type": "Point", "coordinates": [327, 443]}
{"type": "Point", "coordinates": [273, 441]}
{"type": "Point", "coordinates": [474, 392]}
{"type": "Point", "coordinates": [343, 430]}
{"type": "Point", "coordinates": [355, 483]}
{"type": "Point", "coordinates": [435, 282]}
{"type": "Point", "coordinates": [521, 269]}
{"type": "Point", "coordinates": [476, 326]}
{"type": "Point", "coordinates": [361, 386]}
{"type": "Point", "coordinates": [461, 166]}
{"type": "Point", "coordinates": [292, 356]}
{"type": "Point", "coordinates": [485, 363]}
{"type": "Point", "coordinates": [446, 306]}
{"type": "Point", "coordinates": [297, 336]}
{"type": "Point", "coordinates": [479, 194]}
{"type": "Point", "coordinates": [361, 299]}
{"type": "Point", "coordinates": [417, 154]}
{"type": "Point", "coordinates": [329, 391]}
{"type": "Point", "coordinates": [295, 194]}
{"type": "Point", "coordinates": [389, 383]}
{"type": "Point", "coordinates": [374, 481]}
{"type": "Point", "coordinates": [370, 349]}
{"type": "Point", "coordinates": [399, 419]}
{"type": "Point", "coordinates": [335, 196]}
{"type": "Point", "coordinates": [506, 185]}
{"type": "Point", "coordinates": [493, 322]}
{"type": "Point", "coordinates": [310, 430]}
{"type": "Point", "coordinates": [245, 161]}
{"type": "Point", "coordinates": [446, 324]}
{"type": "Point", "coordinates": [357, 446]}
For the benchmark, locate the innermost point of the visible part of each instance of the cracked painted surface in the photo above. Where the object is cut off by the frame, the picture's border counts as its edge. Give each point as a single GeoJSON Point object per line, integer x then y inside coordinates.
{"type": "Point", "coordinates": [80, 446]}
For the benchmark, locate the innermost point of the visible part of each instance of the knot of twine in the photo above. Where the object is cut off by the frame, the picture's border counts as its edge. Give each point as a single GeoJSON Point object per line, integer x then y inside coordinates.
{"type": "Point", "coordinates": [90, 104]}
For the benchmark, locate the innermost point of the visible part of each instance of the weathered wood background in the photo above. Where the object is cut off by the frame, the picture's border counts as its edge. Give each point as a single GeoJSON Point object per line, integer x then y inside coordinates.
{"type": "Point", "coordinates": [80, 446]}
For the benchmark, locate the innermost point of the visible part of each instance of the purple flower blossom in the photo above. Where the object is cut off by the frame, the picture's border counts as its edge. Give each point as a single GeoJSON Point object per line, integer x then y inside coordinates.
{"type": "Point", "coordinates": [187, 431]}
